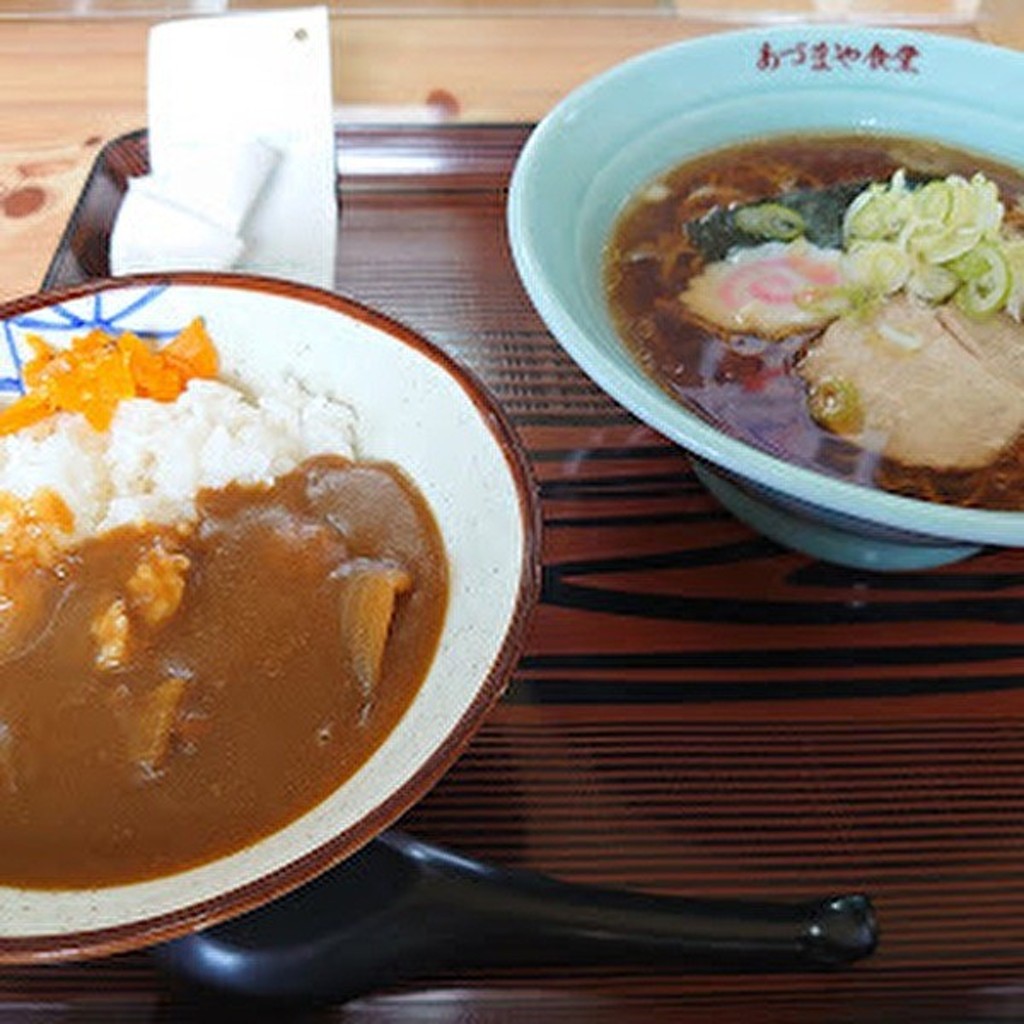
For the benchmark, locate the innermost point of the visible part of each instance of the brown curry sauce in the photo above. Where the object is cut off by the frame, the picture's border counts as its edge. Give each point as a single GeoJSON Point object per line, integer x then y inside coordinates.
{"type": "Point", "coordinates": [266, 710]}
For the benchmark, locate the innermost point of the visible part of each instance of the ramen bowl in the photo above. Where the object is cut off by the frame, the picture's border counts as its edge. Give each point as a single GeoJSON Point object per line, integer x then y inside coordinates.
{"type": "Point", "coordinates": [412, 406]}
{"type": "Point", "coordinates": [604, 142]}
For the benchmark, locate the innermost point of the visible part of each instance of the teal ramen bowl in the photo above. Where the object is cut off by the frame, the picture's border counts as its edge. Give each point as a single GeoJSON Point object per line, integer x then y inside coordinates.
{"type": "Point", "coordinates": [617, 132]}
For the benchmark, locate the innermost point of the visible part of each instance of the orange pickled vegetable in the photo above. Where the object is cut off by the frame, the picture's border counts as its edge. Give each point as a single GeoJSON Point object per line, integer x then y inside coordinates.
{"type": "Point", "coordinates": [23, 413]}
{"type": "Point", "coordinates": [154, 374]}
{"type": "Point", "coordinates": [193, 351]}
{"type": "Point", "coordinates": [99, 370]}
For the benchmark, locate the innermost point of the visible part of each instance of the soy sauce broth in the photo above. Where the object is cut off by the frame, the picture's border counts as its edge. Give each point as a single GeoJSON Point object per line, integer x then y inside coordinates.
{"type": "Point", "coordinates": [744, 385]}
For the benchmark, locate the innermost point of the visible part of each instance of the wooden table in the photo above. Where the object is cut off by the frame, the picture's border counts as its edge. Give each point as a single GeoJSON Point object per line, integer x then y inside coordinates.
{"type": "Point", "coordinates": [672, 727]}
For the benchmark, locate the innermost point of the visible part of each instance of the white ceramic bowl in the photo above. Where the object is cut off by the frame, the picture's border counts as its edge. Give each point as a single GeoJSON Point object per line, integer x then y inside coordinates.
{"type": "Point", "coordinates": [625, 127]}
{"type": "Point", "coordinates": [414, 407]}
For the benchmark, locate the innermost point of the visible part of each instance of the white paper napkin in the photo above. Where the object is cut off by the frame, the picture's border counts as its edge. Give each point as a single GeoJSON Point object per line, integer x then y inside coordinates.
{"type": "Point", "coordinates": [241, 144]}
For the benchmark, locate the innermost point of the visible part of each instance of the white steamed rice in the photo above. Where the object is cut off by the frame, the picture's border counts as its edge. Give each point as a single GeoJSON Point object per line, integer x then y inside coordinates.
{"type": "Point", "coordinates": [156, 456]}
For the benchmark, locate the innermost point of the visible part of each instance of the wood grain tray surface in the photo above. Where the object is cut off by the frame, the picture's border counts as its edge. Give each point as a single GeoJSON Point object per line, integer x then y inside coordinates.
{"type": "Point", "coordinates": [698, 712]}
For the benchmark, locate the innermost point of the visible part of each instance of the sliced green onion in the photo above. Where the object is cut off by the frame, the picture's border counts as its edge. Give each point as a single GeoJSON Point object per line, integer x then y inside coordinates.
{"type": "Point", "coordinates": [881, 267]}
{"type": "Point", "coordinates": [942, 241]}
{"type": "Point", "coordinates": [835, 405]}
{"type": "Point", "coordinates": [932, 283]}
{"type": "Point", "coordinates": [977, 203]}
{"type": "Point", "coordinates": [867, 219]}
{"type": "Point", "coordinates": [936, 243]}
{"type": "Point", "coordinates": [878, 213]}
{"type": "Point", "coordinates": [771, 221]}
{"type": "Point", "coordinates": [986, 280]}
{"type": "Point", "coordinates": [934, 202]}
{"type": "Point", "coordinates": [905, 341]}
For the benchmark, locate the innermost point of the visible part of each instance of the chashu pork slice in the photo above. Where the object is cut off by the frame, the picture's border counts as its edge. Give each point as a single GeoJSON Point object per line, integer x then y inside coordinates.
{"type": "Point", "coordinates": [927, 397]}
{"type": "Point", "coordinates": [997, 341]}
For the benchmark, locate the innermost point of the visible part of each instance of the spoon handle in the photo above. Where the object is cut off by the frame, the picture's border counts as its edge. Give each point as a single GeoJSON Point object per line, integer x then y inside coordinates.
{"type": "Point", "coordinates": [404, 908]}
{"type": "Point", "coordinates": [515, 916]}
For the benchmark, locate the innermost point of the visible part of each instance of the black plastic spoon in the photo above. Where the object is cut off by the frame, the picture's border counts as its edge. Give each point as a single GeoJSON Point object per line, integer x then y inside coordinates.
{"type": "Point", "coordinates": [402, 908]}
